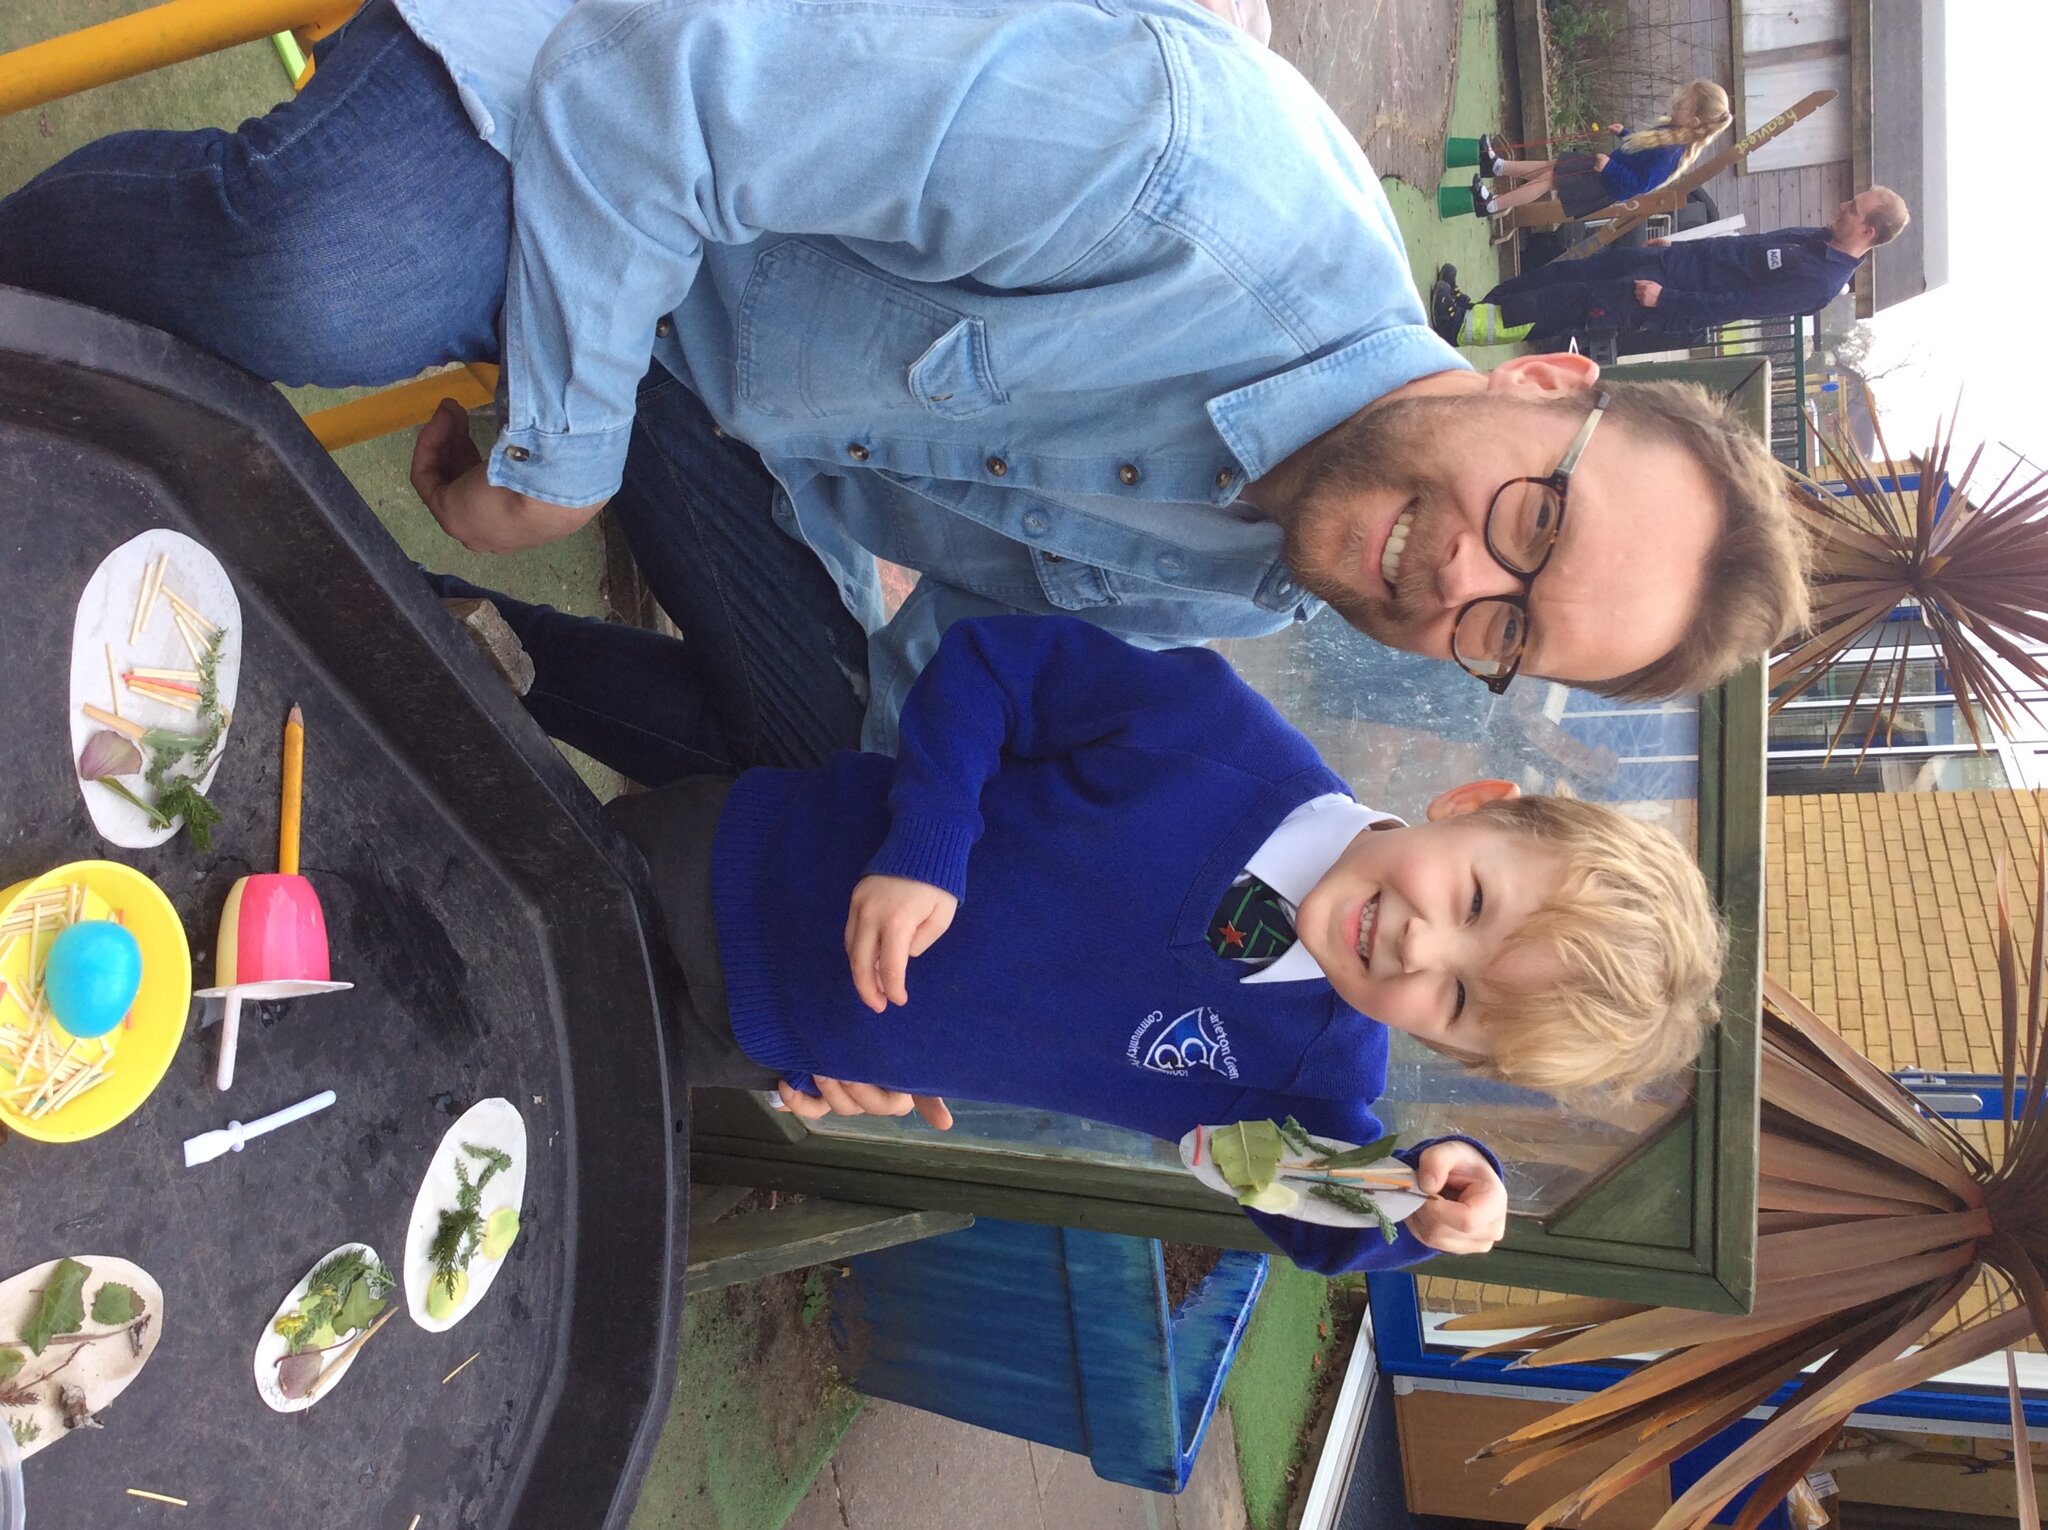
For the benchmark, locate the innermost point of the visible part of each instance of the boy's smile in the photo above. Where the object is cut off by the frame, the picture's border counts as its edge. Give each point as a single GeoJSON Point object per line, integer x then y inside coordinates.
{"type": "Point", "coordinates": [1410, 923]}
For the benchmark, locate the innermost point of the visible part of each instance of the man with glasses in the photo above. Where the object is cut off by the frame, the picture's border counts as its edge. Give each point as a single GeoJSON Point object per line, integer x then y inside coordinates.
{"type": "Point", "coordinates": [1006, 295]}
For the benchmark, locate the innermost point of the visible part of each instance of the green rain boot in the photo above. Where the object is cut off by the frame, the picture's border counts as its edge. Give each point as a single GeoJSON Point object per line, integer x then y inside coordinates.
{"type": "Point", "coordinates": [1461, 153]}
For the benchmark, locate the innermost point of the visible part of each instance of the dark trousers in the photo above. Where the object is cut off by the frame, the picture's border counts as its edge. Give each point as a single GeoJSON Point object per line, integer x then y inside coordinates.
{"type": "Point", "coordinates": [1596, 292]}
{"type": "Point", "coordinates": [673, 828]}
{"type": "Point", "coordinates": [358, 233]}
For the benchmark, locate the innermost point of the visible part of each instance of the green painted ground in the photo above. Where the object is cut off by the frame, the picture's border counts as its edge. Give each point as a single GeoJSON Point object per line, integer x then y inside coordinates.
{"type": "Point", "coordinates": [749, 1429]}
{"type": "Point", "coordinates": [1272, 1387]}
{"type": "Point", "coordinates": [1463, 241]}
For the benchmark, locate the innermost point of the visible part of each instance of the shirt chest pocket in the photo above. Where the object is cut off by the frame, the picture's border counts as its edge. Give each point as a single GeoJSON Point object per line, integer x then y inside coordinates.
{"type": "Point", "coordinates": [819, 337]}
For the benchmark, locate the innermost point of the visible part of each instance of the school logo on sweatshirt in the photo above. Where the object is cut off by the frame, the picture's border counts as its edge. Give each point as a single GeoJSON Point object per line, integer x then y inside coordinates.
{"type": "Point", "coordinates": [1774, 258]}
{"type": "Point", "coordinates": [1196, 1039]}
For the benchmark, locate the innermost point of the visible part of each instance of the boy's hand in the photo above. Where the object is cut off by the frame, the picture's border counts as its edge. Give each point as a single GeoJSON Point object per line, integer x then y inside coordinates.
{"type": "Point", "coordinates": [838, 1098]}
{"type": "Point", "coordinates": [891, 920]}
{"type": "Point", "coordinates": [1472, 1215]}
{"type": "Point", "coordinates": [1647, 293]}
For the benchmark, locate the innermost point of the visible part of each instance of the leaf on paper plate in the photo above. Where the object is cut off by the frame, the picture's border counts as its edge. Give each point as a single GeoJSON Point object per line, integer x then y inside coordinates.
{"type": "Point", "coordinates": [61, 1309]}
{"type": "Point", "coordinates": [114, 1304]}
{"type": "Point", "coordinates": [359, 1308]}
{"type": "Point", "coordinates": [1247, 1153]}
{"type": "Point", "coordinates": [11, 1360]}
{"type": "Point", "coordinates": [297, 1373]}
{"type": "Point", "coordinates": [1372, 1152]}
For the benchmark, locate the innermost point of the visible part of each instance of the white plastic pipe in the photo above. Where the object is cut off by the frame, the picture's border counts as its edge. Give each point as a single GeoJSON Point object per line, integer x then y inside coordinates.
{"type": "Point", "coordinates": [208, 1146]}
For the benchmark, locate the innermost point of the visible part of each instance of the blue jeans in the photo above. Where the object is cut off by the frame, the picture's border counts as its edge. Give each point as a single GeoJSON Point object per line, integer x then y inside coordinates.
{"type": "Point", "coordinates": [358, 234]}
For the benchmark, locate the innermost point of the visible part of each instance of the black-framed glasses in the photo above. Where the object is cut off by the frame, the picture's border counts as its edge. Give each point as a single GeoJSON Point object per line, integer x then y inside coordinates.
{"type": "Point", "coordinates": [1522, 527]}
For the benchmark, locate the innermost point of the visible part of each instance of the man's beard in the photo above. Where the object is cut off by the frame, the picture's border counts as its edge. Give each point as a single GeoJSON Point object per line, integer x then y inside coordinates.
{"type": "Point", "coordinates": [1384, 453]}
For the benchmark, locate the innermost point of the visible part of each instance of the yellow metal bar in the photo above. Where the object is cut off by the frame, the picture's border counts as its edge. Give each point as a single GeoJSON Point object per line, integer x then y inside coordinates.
{"type": "Point", "coordinates": [398, 408]}
{"type": "Point", "coordinates": [163, 34]}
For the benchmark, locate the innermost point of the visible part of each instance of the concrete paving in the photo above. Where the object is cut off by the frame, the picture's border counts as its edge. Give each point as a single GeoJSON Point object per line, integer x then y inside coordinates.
{"type": "Point", "coordinates": [900, 1468]}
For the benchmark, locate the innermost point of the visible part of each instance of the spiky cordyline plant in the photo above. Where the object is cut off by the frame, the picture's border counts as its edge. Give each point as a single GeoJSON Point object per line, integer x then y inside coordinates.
{"type": "Point", "coordinates": [1874, 1219]}
{"type": "Point", "coordinates": [1978, 568]}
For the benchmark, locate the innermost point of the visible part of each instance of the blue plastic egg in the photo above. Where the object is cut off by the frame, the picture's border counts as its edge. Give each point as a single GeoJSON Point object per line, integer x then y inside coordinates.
{"type": "Point", "coordinates": [91, 976]}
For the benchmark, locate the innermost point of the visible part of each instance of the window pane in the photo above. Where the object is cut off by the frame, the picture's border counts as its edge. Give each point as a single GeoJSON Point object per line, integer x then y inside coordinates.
{"type": "Point", "coordinates": [1401, 729]}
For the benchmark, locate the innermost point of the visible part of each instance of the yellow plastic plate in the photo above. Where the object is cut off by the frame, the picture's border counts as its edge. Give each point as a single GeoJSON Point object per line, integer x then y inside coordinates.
{"type": "Point", "coordinates": [142, 1046]}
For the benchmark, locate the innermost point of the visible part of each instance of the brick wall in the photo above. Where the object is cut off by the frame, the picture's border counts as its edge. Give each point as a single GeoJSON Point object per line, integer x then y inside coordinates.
{"type": "Point", "coordinates": [1879, 912]}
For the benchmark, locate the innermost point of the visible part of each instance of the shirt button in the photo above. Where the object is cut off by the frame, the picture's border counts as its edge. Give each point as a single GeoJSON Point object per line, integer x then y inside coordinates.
{"type": "Point", "coordinates": [663, 328]}
{"type": "Point", "coordinates": [1223, 478]}
{"type": "Point", "coordinates": [997, 466]}
{"type": "Point", "coordinates": [1127, 474]}
{"type": "Point", "coordinates": [1052, 557]}
{"type": "Point", "coordinates": [517, 453]}
{"type": "Point", "coordinates": [1037, 522]}
{"type": "Point", "coordinates": [718, 431]}
{"type": "Point", "coordinates": [857, 452]}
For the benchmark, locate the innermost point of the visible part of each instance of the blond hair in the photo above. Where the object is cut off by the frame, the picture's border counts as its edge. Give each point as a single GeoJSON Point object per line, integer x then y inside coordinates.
{"type": "Point", "coordinates": [1703, 101]}
{"type": "Point", "coordinates": [1888, 219]}
{"type": "Point", "coordinates": [1631, 954]}
{"type": "Point", "coordinates": [1753, 590]}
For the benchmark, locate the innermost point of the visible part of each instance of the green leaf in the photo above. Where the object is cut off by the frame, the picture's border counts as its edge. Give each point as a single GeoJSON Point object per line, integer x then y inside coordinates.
{"type": "Point", "coordinates": [61, 1309]}
{"type": "Point", "coordinates": [183, 799]}
{"type": "Point", "coordinates": [1248, 1153]}
{"type": "Point", "coordinates": [359, 1308]}
{"type": "Point", "coordinates": [1297, 1136]}
{"type": "Point", "coordinates": [114, 1304]}
{"type": "Point", "coordinates": [1372, 1152]}
{"type": "Point", "coordinates": [11, 1360]}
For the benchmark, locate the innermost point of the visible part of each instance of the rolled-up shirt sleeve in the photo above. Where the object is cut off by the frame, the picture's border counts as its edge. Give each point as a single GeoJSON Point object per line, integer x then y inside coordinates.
{"type": "Point", "coordinates": [656, 127]}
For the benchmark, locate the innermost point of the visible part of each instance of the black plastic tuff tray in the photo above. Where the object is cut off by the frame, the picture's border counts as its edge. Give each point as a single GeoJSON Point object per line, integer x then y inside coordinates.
{"type": "Point", "coordinates": [489, 920]}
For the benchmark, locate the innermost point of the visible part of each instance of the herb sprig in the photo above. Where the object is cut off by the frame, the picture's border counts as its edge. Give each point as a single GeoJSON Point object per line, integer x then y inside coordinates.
{"type": "Point", "coordinates": [461, 1228]}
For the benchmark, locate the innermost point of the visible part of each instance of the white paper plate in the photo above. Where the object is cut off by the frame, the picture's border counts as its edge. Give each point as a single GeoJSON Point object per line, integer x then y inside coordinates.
{"type": "Point", "coordinates": [104, 1370]}
{"type": "Point", "coordinates": [272, 1347]}
{"type": "Point", "coordinates": [488, 1123]}
{"type": "Point", "coordinates": [106, 612]}
{"type": "Point", "coordinates": [1397, 1204]}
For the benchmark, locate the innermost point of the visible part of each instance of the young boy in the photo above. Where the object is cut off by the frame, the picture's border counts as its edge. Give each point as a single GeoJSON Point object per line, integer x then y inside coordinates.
{"type": "Point", "coordinates": [1117, 883]}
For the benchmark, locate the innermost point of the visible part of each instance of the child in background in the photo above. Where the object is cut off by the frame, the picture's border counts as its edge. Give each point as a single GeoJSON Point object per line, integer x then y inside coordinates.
{"type": "Point", "coordinates": [1116, 883]}
{"type": "Point", "coordinates": [1586, 183]}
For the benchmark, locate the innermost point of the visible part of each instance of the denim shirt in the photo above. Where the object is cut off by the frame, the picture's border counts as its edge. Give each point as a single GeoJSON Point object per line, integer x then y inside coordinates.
{"type": "Point", "coordinates": [1073, 272]}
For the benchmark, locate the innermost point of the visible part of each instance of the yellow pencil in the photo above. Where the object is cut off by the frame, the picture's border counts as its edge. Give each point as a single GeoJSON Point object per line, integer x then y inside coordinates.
{"type": "Point", "coordinates": [288, 807]}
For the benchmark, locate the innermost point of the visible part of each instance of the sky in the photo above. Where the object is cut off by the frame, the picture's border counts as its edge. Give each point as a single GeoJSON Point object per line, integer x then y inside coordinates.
{"type": "Point", "coordinates": [1986, 331]}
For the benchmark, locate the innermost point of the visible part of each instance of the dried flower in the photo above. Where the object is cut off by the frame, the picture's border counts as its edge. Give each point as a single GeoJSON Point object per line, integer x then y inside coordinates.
{"type": "Point", "coordinates": [105, 754]}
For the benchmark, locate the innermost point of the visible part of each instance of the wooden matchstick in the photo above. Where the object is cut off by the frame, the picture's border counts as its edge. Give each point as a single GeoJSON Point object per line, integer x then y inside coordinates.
{"type": "Point", "coordinates": [188, 635]}
{"type": "Point", "coordinates": [206, 626]}
{"type": "Point", "coordinates": [145, 599]}
{"type": "Point", "coordinates": [110, 720]}
{"type": "Point", "coordinates": [181, 676]}
{"type": "Point", "coordinates": [113, 684]}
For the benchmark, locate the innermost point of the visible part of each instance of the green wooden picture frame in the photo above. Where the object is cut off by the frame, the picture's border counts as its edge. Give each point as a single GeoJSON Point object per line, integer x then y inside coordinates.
{"type": "Point", "coordinates": [1674, 1222]}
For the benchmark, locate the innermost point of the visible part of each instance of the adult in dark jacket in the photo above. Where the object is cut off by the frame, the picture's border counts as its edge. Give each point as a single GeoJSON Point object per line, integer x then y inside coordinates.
{"type": "Point", "coordinates": [1679, 288]}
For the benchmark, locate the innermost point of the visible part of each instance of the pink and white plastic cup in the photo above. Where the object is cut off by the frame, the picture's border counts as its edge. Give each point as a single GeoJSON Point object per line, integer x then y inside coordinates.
{"type": "Point", "coordinates": [272, 945]}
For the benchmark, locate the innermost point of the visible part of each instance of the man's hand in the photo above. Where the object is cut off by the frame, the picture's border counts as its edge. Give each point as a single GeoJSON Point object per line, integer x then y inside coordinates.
{"type": "Point", "coordinates": [838, 1098]}
{"type": "Point", "coordinates": [1647, 293]}
{"type": "Point", "coordinates": [891, 920]}
{"type": "Point", "coordinates": [449, 477]}
{"type": "Point", "coordinates": [1656, 244]}
{"type": "Point", "coordinates": [1472, 1213]}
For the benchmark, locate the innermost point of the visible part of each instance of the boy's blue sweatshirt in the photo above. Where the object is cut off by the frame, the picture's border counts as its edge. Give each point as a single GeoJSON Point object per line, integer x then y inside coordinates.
{"type": "Point", "coordinates": [1089, 803]}
{"type": "Point", "coordinates": [1631, 172]}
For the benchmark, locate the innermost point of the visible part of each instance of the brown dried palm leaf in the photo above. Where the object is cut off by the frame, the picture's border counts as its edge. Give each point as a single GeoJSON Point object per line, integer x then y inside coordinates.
{"type": "Point", "coordinates": [1978, 569]}
{"type": "Point", "coordinates": [1875, 1220]}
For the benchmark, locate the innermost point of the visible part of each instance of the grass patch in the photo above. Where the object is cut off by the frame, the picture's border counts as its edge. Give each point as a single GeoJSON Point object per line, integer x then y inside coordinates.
{"type": "Point", "coordinates": [1273, 1384]}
